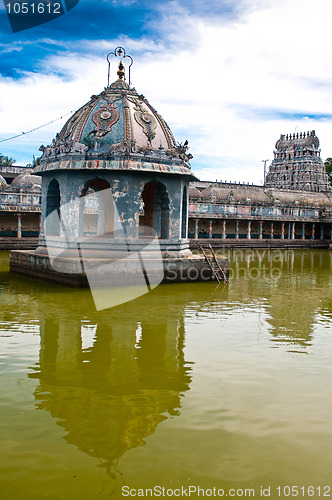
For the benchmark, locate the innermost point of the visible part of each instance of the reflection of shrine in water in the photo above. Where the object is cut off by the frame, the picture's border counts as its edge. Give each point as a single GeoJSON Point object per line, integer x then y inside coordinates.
{"type": "Point", "coordinates": [112, 395]}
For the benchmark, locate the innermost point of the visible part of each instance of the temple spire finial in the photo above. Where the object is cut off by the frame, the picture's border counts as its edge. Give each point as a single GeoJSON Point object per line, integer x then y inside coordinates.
{"type": "Point", "coordinates": [121, 53]}
{"type": "Point", "coordinates": [120, 71]}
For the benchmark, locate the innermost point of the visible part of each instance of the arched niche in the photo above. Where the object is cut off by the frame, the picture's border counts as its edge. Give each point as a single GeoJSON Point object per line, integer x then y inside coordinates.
{"type": "Point", "coordinates": [96, 208]}
{"type": "Point", "coordinates": [156, 208]}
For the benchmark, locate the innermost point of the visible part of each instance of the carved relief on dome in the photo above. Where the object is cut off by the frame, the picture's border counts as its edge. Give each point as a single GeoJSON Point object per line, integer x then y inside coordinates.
{"type": "Point", "coordinates": [104, 118]}
{"type": "Point", "coordinates": [72, 129]}
{"type": "Point", "coordinates": [146, 121]}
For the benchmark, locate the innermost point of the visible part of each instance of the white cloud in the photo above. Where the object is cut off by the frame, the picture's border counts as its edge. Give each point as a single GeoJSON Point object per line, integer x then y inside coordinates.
{"type": "Point", "coordinates": [276, 57]}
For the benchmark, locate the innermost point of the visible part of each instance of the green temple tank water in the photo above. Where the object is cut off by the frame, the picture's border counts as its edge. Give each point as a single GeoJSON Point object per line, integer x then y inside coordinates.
{"type": "Point", "coordinates": [224, 388]}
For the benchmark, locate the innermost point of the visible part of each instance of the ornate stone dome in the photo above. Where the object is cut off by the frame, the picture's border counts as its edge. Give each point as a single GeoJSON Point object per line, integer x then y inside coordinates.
{"type": "Point", "coordinates": [26, 182]}
{"type": "Point", "coordinates": [3, 183]}
{"type": "Point", "coordinates": [117, 129]}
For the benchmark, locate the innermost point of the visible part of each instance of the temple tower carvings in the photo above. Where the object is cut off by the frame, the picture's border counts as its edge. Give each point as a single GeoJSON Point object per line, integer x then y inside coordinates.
{"type": "Point", "coordinates": [297, 164]}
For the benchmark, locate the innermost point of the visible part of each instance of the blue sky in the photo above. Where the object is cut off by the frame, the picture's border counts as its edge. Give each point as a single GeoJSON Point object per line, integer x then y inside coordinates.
{"type": "Point", "coordinates": [229, 76]}
{"type": "Point", "coordinates": [93, 20]}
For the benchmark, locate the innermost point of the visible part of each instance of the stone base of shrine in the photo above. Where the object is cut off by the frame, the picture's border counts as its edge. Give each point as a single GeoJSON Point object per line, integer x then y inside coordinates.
{"type": "Point", "coordinates": [70, 271]}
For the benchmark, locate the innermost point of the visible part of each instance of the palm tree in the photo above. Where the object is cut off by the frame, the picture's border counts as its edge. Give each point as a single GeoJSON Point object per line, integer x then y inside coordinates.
{"type": "Point", "coordinates": [6, 161]}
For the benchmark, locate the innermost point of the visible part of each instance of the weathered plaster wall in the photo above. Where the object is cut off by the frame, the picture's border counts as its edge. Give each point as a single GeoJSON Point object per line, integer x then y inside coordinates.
{"type": "Point", "coordinates": [127, 191]}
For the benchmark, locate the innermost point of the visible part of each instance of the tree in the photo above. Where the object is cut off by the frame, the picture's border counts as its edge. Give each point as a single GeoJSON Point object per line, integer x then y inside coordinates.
{"type": "Point", "coordinates": [35, 162]}
{"type": "Point", "coordinates": [5, 161]}
{"type": "Point", "coordinates": [328, 168]}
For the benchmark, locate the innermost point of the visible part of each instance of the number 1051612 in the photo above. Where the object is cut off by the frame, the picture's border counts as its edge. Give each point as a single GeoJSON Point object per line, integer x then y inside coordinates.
{"type": "Point", "coordinates": [301, 491]}
{"type": "Point", "coordinates": [34, 8]}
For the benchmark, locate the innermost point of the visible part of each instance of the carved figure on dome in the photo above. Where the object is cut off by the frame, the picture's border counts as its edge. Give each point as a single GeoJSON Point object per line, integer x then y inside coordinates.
{"type": "Point", "coordinates": [145, 150]}
{"type": "Point", "coordinates": [128, 147]}
{"type": "Point", "coordinates": [120, 148]}
{"type": "Point", "coordinates": [76, 147]}
{"type": "Point", "coordinates": [46, 150]}
{"type": "Point", "coordinates": [171, 153]}
{"type": "Point", "coordinates": [181, 151]}
{"type": "Point", "coordinates": [60, 147]}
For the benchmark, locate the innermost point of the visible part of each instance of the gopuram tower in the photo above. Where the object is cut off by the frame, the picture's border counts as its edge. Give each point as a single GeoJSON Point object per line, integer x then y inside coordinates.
{"type": "Point", "coordinates": [297, 164]}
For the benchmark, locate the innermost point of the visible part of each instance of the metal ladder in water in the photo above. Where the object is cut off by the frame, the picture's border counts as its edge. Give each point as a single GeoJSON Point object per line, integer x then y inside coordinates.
{"type": "Point", "coordinates": [214, 265]}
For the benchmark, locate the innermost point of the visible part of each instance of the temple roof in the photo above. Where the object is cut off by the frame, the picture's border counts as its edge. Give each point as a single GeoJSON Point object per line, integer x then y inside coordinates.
{"type": "Point", "coordinates": [304, 198]}
{"type": "Point", "coordinates": [304, 140]}
{"type": "Point", "coordinates": [117, 126]}
{"type": "Point", "coordinates": [206, 192]}
{"type": "Point", "coordinates": [237, 194]}
{"type": "Point", "coordinates": [3, 183]}
{"type": "Point", "coordinates": [26, 182]}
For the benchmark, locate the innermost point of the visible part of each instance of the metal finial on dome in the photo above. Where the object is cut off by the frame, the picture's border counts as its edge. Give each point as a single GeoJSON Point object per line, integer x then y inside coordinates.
{"type": "Point", "coordinates": [120, 71]}
{"type": "Point", "coordinates": [121, 53]}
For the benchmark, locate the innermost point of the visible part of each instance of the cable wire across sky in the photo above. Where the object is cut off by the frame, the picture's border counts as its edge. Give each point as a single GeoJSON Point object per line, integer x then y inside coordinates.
{"type": "Point", "coordinates": [36, 128]}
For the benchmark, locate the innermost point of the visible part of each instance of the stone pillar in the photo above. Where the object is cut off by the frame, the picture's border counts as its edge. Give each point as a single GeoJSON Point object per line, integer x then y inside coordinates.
{"type": "Point", "coordinates": [322, 231]}
{"type": "Point", "coordinates": [282, 236]}
{"type": "Point", "coordinates": [236, 229]}
{"type": "Point", "coordinates": [260, 236]}
{"type": "Point", "coordinates": [210, 229]}
{"type": "Point", "coordinates": [313, 231]}
{"type": "Point", "coordinates": [271, 232]}
{"type": "Point", "coordinates": [289, 231]}
{"type": "Point", "coordinates": [19, 225]}
{"type": "Point", "coordinates": [196, 229]}
{"type": "Point", "coordinates": [293, 230]}
{"type": "Point", "coordinates": [40, 224]}
{"type": "Point", "coordinates": [249, 230]}
{"type": "Point", "coordinates": [223, 229]}
{"type": "Point", "coordinates": [303, 231]}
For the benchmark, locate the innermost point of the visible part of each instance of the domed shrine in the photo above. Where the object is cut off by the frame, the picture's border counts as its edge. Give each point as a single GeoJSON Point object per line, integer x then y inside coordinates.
{"type": "Point", "coordinates": [3, 182]}
{"type": "Point", "coordinates": [118, 141]}
{"type": "Point", "coordinates": [113, 176]}
{"type": "Point", "coordinates": [26, 182]}
{"type": "Point", "coordinates": [297, 164]}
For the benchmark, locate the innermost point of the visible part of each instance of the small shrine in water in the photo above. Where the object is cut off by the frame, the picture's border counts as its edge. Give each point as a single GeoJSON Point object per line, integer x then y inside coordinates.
{"type": "Point", "coordinates": [114, 170]}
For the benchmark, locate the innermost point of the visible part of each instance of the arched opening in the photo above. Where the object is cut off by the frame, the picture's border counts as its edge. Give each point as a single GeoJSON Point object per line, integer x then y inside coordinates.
{"type": "Point", "coordinates": [156, 208]}
{"type": "Point", "coordinates": [184, 213]}
{"type": "Point", "coordinates": [96, 208]}
{"type": "Point", "coordinates": [53, 200]}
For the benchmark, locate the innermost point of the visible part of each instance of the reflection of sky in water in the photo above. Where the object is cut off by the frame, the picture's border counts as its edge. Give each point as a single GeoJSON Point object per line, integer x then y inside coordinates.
{"type": "Point", "coordinates": [225, 385]}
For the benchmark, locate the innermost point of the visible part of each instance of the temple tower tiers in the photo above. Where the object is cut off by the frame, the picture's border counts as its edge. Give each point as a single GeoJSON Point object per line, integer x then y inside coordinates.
{"type": "Point", "coordinates": [297, 164]}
